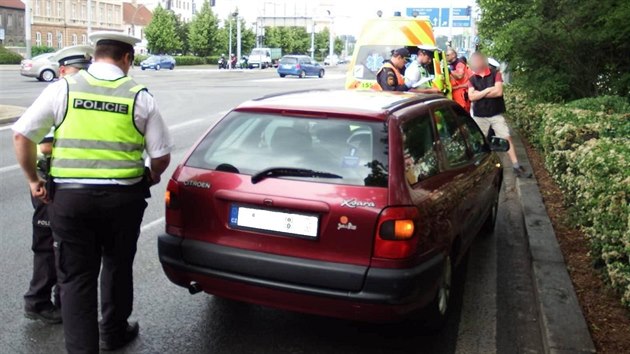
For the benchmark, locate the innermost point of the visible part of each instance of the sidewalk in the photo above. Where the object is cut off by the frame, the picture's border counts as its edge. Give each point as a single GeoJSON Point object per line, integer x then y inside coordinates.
{"type": "Point", "coordinates": [9, 114]}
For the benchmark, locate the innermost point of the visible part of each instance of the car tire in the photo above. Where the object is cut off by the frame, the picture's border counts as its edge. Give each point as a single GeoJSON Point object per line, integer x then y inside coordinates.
{"type": "Point", "coordinates": [172, 67]}
{"type": "Point", "coordinates": [491, 220]}
{"type": "Point", "coordinates": [438, 310]}
{"type": "Point", "coordinates": [157, 67]}
{"type": "Point", "coordinates": [302, 74]}
{"type": "Point", "coordinates": [282, 75]}
{"type": "Point", "coordinates": [47, 75]}
{"type": "Point", "coordinates": [321, 74]}
{"type": "Point", "coordinates": [143, 68]}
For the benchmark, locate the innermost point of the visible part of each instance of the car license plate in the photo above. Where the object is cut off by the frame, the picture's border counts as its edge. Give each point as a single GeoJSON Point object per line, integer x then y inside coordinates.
{"type": "Point", "coordinates": [292, 224]}
{"type": "Point", "coordinates": [287, 66]}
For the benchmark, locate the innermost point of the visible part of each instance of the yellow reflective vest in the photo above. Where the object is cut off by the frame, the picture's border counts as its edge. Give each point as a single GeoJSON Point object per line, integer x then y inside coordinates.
{"type": "Point", "coordinates": [98, 137]}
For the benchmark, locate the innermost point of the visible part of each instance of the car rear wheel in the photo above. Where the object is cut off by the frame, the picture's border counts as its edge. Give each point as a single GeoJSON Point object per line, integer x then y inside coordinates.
{"type": "Point", "coordinates": [302, 74]}
{"type": "Point", "coordinates": [172, 66]}
{"type": "Point", "coordinates": [321, 74]}
{"type": "Point", "coordinates": [438, 309]}
{"type": "Point", "coordinates": [47, 75]}
{"type": "Point", "coordinates": [157, 67]}
{"type": "Point", "coordinates": [282, 75]}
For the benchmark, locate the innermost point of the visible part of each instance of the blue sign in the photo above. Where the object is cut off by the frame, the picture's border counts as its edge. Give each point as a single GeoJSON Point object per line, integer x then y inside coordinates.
{"type": "Point", "coordinates": [432, 13]}
{"type": "Point", "coordinates": [444, 18]}
{"type": "Point", "coordinates": [460, 12]}
{"type": "Point", "coordinates": [461, 23]}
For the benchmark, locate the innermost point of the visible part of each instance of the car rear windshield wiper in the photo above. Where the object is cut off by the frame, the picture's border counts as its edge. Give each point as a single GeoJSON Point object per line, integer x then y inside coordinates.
{"type": "Point", "coordinates": [291, 172]}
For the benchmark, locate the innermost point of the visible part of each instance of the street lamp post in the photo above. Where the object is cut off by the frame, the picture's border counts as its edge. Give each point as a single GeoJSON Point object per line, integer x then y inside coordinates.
{"type": "Point", "coordinates": [238, 36]}
{"type": "Point", "coordinates": [313, 40]}
{"type": "Point", "coordinates": [27, 28]}
{"type": "Point", "coordinates": [230, 43]}
{"type": "Point", "coordinates": [331, 40]}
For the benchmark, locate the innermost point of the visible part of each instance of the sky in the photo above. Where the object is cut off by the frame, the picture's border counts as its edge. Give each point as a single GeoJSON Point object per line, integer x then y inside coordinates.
{"type": "Point", "coordinates": [349, 15]}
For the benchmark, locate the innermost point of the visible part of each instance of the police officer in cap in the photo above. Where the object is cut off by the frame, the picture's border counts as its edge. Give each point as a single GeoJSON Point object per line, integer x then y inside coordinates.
{"type": "Point", "coordinates": [420, 75]}
{"type": "Point", "coordinates": [390, 76]}
{"type": "Point", "coordinates": [43, 286]}
{"type": "Point", "coordinates": [104, 121]}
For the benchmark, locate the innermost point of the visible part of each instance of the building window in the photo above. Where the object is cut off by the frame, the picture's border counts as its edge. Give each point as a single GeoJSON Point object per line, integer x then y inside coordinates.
{"type": "Point", "coordinates": [49, 39]}
{"type": "Point", "coordinates": [83, 39]}
{"type": "Point", "coordinates": [83, 11]}
{"type": "Point", "coordinates": [59, 9]}
{"type": "Point", "coordinates": [9, 20]}
{"type": "Point", "coordinates": [47, 8]}
{"type": "Point", "coordinates": [59, 40]}
{"type": "Point", "coordinates": [74, 11]}
{"type": "Point", "coordinates": [38, 38]}
{"type": "Point", "coordinates": [74, 39]}
{"type": "Point", "coordinates": [37, 7]}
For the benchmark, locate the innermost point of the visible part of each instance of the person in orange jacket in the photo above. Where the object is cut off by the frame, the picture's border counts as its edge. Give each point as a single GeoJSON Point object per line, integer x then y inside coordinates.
{"type": "Point", "coordinates": [460, 74]}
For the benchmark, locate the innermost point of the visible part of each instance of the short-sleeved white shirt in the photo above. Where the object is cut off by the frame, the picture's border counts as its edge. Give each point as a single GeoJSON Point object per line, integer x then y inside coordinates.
{"type": "Point", "coordinates": [49, 110]}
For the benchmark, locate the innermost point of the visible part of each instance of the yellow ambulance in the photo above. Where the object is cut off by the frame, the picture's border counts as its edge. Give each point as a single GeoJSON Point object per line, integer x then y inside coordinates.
{"type": "Point", "coordinates": [383, 35]}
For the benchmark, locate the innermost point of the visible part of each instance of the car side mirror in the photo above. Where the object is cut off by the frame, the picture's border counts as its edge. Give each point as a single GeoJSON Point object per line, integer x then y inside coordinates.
{"type": "Point", "coordinates": [499, 144]}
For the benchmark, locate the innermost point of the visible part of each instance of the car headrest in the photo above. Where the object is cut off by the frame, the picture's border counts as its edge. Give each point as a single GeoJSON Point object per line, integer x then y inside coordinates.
{"type": "Point", "coordinates": [335, 134]}
{"type": "Point", "coordinates": [286, 139]}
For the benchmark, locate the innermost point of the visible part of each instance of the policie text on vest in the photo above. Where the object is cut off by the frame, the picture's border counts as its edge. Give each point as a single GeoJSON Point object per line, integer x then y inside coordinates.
{"type": "Point", "coordinates": [94, 105]}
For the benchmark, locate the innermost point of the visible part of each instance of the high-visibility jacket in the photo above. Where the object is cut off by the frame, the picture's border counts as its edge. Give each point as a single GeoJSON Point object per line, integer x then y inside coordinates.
{"type": "Point", "coordinates": [400, 79]}
{"type": "Point", "coordinates": [98, 137]}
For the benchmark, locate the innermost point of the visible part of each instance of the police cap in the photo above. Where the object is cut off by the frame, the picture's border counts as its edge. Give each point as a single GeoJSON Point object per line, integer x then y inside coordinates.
{"type": "Point", "coordinates": [426, 49]}
{"type": "Point", "coordinates": [77, 55]}
{"type": "Point", "coordinates": [114, 38]}
{"type": "Point", "coordinates": [401, 52]}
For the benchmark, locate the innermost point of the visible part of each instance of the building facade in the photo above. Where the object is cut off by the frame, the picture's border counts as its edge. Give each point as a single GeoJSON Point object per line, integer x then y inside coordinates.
{"type": "Point", "coordinates": [61, 23]}
{"type": "Point", "coordinates": [135, 19]}
{"type": "Point", "coordinates": [12, 23]}
{"type": "Point", "coordinates": [182, 8]}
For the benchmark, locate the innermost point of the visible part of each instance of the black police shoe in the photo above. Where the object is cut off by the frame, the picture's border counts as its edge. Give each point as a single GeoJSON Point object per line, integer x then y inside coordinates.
{"type": "Point", "coordinates": [130, 333]}
{"type": "Point", "coordinates": [521, 172]}
{"type": "Point", "coordinates": [50, 315]}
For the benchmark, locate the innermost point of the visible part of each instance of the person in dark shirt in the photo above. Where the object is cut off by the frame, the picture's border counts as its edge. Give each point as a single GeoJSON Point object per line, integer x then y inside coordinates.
{"type": "Point", "coordinates": [390, 77]}
{"type": "Point", "coordinates": [485, 91]}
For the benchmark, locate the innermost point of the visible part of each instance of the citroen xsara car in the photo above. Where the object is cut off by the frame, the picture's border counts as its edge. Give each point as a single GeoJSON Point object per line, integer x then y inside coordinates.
{"type": "Point", "coordinates": [348, 204]}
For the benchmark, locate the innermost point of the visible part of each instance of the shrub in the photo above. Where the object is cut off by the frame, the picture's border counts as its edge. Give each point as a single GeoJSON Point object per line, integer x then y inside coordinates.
{"type": "Point", "coordinates": [213, 59]}
{"type": "Point", "coordinates": [9, 57]}
{"type": "Point", "coordinates": [41, 49]}
{"type": "Point", "coordinates": [189, 60]}
{"type": "Point", "coordinates": [139, 58]}
{"type": "Point", "coordinates": [586, 150]}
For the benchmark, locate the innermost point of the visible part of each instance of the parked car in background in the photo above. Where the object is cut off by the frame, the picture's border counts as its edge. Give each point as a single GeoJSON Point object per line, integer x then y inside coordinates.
{"type": "Point", "coordinates": [331, 60]}
{"type": "Point", "coordinates": [40, 67]}
{"type": "Point", "coordinates": [158, 62]}
{"type": "Point", "coordinates": [350, 204]}
{"type": "Point", "coordinates": [299, 65]}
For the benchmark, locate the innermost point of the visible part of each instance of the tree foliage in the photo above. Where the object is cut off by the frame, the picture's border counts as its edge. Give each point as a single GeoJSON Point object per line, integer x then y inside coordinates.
{"type": "Point", "coordinates": [292, 40]}
{"type": "Point", "coordinates": [322, 40]}
{"type": "Point", "coordinates": [204, 32]}
{"type": "Point", "coordinates": [161, 32]}
{"type": "Point", "coordinates": [248, 37]}
{"type": "Point", "coordinates": [561, 50]}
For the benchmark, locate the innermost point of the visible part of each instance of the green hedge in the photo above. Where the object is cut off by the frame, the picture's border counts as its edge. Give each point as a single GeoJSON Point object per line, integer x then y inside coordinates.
{"type": "Point", "coordinates": [41, 49]}
{"type": "Point", "coordinates": [586, 149]}
{"type": "Point", "coordinates": [9, 57]}
{"type": "Point", "coordinates": [189, 60]}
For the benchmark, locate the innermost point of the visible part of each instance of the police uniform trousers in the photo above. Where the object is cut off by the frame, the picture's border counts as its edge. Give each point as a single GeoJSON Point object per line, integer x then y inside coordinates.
{"type": "Point", "coordinates": [43, 287]}
{"type": "Point", "coordinates": [94, 226]}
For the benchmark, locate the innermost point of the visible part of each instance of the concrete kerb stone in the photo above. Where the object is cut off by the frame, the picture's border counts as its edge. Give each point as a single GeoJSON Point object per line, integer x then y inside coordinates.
{"type": "Point", "coordinates": [562, 323]}
{"type": "Point", "coordinates": [9, 114]}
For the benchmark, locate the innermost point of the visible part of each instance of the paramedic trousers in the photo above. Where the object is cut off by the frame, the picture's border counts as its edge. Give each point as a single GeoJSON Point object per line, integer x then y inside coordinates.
{"type": "Point", "coordinates": [43, 287]}
{"type": "Point", "coordinates": [95, 226]}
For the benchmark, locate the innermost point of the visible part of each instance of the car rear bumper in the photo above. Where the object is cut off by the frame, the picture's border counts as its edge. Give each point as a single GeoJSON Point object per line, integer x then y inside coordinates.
{"type": "Point", "coordinates": [271, 280]}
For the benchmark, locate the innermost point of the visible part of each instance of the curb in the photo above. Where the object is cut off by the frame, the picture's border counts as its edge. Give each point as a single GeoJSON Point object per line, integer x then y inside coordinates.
{"type": "Point", "coordinates": [563, 327]}
{"type": "Point", "coordinates": [9, 114]}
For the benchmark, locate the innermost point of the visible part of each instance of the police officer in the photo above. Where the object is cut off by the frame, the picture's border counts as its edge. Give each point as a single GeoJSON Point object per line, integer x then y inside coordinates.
{"type": "Point", "coordinates": [103, 122]}
{"type": "Point", "coordinates": [421, 74]}
{"type": "Point", "coordinates": [390, 77]}
{"type": "Point", "coordinates": [43, 286]}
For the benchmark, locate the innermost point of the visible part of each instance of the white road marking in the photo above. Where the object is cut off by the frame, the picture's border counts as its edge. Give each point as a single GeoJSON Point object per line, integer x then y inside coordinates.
{"type": "Point", "coordinates": [153, 223]}
{"type": "Point", "coordinates": [296, 79]}
{"type": "Point", "coordinates": [9, 168]}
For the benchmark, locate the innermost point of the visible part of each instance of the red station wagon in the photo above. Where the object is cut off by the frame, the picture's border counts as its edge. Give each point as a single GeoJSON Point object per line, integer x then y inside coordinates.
{"type": "Point", "coordinates": [347, 204]}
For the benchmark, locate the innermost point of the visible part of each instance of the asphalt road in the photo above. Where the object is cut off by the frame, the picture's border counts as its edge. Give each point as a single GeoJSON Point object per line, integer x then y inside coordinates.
{"type": "Point", "coordinates": [493, 312]}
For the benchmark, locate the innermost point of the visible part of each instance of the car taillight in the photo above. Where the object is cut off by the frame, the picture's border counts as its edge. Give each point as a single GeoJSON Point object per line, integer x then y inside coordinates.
{"type": "Point", "coordinates": [396, 233]}
{"type": "Point", "coordinates": [298, 67]}
{"type": "Point", "coordinates": [173, 210]}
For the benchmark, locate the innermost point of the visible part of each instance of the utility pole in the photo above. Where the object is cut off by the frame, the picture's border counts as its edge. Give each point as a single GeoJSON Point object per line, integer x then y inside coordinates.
{"type": "Point", "coordinates": [313, 40]}
{"type": "Point", "coordinates": [331, 40]}
{"type": "Point", "coordinates": [230, 43]}
{"type": "Point", "coordinates": [238, 36]}
{"type": "Point", "coordinates": [27, 27]}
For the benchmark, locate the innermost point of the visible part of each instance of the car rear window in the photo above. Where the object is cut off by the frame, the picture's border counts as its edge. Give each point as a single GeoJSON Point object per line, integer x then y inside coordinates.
{"type": "Point", "coordinates": [248, 143]}
{"type": "Point", "coordinates": [288, 61]}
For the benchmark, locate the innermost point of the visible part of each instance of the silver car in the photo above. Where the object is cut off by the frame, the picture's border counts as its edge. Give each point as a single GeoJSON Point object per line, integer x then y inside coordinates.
{"type": "Point", "coordinates": [40, 67]}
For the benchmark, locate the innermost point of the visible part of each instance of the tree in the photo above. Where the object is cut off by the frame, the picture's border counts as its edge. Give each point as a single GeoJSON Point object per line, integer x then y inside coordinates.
{"type": "Point", "coordinates": [560, 50]}
{"type": "Point", "coordinates": [248, 37]}
{"type": "Point", "coordinates": [182, 28]}
{"type": "Point", "coordinates": [322, 40]}
{"type": "Point", "coordinates": [161, 33]}
{"type": "Point", "coordinates": [203, 32]}
{"type": "Point", "coordinates": [292, 40]}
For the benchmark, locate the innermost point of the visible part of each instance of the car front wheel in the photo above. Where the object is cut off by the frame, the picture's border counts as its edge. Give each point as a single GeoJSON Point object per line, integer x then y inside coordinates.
{"type": "Point", "coordinates": [302, 74]}
{"type": "Point", "coordinates": [157, 67]}
{"type": "Point", "coordinates": [172, 66]}
{"type": "Point", "coordinates": [321, 74]}
{"type": "Point", "coordinates": [47, 75]}
{"type": "Point", "coordinates": [282, 75]}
